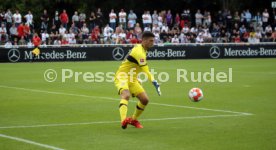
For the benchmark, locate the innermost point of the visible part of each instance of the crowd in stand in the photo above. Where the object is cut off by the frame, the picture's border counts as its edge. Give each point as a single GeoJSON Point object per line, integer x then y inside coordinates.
{"type": "Point", "coordinates": [126, 27]}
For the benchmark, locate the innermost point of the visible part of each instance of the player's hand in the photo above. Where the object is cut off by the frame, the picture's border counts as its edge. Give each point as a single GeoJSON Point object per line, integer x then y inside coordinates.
{"type": "Point", "coordinates": [157, 87]}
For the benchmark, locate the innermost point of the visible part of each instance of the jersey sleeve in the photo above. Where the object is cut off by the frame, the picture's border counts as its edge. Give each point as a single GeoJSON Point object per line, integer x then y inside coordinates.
{"type": "Point", "coordinates": [138, 57]}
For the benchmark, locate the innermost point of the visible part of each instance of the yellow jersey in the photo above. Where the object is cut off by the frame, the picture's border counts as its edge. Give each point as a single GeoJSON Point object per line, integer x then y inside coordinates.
{"type": "Point", "coordinates": [134, 63]}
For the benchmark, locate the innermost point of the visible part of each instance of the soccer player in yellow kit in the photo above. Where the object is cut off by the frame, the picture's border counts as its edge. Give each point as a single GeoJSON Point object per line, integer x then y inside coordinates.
{"type": "Point", "coordinates": [128, 84]}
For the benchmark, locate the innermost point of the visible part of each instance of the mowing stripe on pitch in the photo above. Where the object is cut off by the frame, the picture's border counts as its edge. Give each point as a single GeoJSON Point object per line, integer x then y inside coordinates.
{"type": "Point", "coordinates": [29, 142]}
{"type": "Point", "coordinates": [109, 122]}
{"type": "Point", "coordinates": [115, 99]}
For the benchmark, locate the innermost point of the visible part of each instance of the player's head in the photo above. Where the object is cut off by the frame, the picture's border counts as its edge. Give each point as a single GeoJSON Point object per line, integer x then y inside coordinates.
{"type": "Point", "coordinates": [147, 39]}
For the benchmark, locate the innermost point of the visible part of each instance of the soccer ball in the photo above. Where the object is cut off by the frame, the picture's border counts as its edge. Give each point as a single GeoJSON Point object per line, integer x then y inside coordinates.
{"type": "Point", "coordinates": [195, 94]}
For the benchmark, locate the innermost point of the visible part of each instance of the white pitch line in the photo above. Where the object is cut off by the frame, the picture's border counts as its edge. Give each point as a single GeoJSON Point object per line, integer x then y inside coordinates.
{"type": "Point", "coordinates": [30, 142]}
{"type": "Point", "coordinates": [109, 122]}
{"type": "Point", "coordinates": [114, 99]}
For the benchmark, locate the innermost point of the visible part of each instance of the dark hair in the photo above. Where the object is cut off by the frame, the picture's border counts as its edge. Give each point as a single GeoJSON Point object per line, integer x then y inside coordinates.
{"type": "Point", "coordinates": [147, 34]}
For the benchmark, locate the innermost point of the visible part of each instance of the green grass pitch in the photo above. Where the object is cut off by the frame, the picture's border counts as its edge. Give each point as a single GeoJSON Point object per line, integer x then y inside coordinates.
{"type": "Point", "coordinates": [238, 115]}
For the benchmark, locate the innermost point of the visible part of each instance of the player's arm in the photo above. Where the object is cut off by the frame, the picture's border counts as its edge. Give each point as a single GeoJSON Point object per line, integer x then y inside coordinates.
{"type": "Point", "coordinates": [145, 69]}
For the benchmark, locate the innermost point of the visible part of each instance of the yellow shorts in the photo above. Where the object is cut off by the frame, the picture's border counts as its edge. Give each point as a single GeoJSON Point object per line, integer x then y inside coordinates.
{"type": "Point", "coordinates": [134, 87]}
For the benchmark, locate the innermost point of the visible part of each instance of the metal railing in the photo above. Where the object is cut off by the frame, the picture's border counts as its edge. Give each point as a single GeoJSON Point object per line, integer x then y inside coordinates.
{"type": "Point", "coordinates": [130, 45]}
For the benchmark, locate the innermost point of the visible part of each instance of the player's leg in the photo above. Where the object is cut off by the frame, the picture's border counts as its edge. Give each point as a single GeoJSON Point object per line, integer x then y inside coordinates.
{"type": "Point", "coordinates": [125, 95]}
{"type": "Point", "coordinates": [141, 105]}
{"type": "Point", "coordinates": [124, 92]}
{"type": "Point", "coordinates": [142, 96]}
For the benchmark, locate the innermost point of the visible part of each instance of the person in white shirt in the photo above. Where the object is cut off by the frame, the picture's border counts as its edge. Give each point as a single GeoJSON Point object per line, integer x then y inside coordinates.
{"type": "Point", "coordinates": [30, 44]}
{"type": "Point", "coordinates": [265, 18]}
{"type": "Point", "coordinates": [122, 37]}
{"type": "Point", "coordinates": [175, 39]}
{"type": "Point", "coordinates": [72, 41]}
{"type": "Point", "coordinates": [155, 28]}
{"type": "Point", "coordinates": [108, 31]}
{"type": "Point", "coordinates": [84, 31]}
{"type": "Point", "coordinates": [199, 38]}
{"type": "Point", "coordinates": [8, 44]}
{"type": "Point", "coordinates": [44, 36]}
{"type": "Point", "coordinates": [198, 18]}
{"type": "Point", "coordinates": [17, 18]}
{"type": "Point", "coordinates": [57, 42]}
{"type": "Point", "coordinates": [122, 18]}
{"type": "Point", "coordinates": [165, 28]}
{"type": "Point", "coordinates": [76, 19]}
{"type": "Point", "coordinates": [147, 28]}
{"type": "Point", "coordinates": [147, 20]}
{"type": "Point", "coordinates": [29, 19]}
{"type": "Point", "coordinates": [112, 19]}
{"type": "Point", "coordinates": [8, 16]}
{"type": "Point", "coordinates": [3, 32]}
{"type": "Point", "coordinates": [61, 30]}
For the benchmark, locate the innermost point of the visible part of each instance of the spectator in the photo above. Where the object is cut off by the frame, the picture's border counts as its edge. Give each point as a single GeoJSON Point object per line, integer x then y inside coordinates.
{"type": "Point", "coordinates": [265, 18]}
{"type": "Point", "coordinates": [112, 19]}
{"type": "Point", "coordinates": [27, 32]}
{"type": "Point", "coordinates": [20, 30]}
{"type": "Point", "coordinates": [13, 32]}
{"type": "Point", "coordinates": [84, 31]}
{"type": "Point", "coordinates": [177, 20]}
{"type": "Point", "coordinates": [207, 19]}
{"type": "Point", "coordinates": [74, 29]}
{"type": "Point", "coordinates": [138, 31]}
{"type": "Point", "coordinates": [169, 19]}
{"type": "Point", "coordinates": [17, 18]}
{"type": "Point", "coordinates": [252, 39]}
{"type": "Point", "coordinates": [61, 30]}
{"type": "Point", "coordinates": [131, 19]}
{"type": "Point", "coordinates": [99, 18]}
{"type": "Point", "coordinates": [198, 18]}
{"type": "Point", "coordinates": [64, 18]}
{"type": "Point", "coordinates": [9, 18]}
{"type": "Point", "coordinates": [199, 38]}
{"type": "Point", "coordinates": [36, 40]}
{"type": "Point", "coordinates": [92, 21]}
{"type": "Point", "coordinates": [82, 18]}
{"type": "Point", "coordinates": [154, 17]}
{"type": "Point", "coordinates": [44, 37]}
{"type": "Point", "coordinates": [8, 44]}
{"type": "Point", "coordinates": [129, 35]}
{"type": "Point", "coordinates": [22, 41]}
{"type": "Point", "coordinates": [229, 20]}
{"type": "Point", "coordinates": [57, 42]}
{"type": "Point", "coordinates": [122, 18]}
{"type": "Point", "coordinates": [248, 17]}
{"type": "Point", "coordinates": [147, 20]}
{"type": "Point", "coordinates": [64, 41]}
{"type": "Point", "coordinates": [165, 28]}
{"type": "Point", "coordinates": [56, 20]}
{"type": "Point", "coordinates": [75, 19]}
{"type": "Point", "coordinates": [3, 33]}
{"type": "Point", "coordinates": [257, 20]}
{"type": "Point", "coordinates": [237, 18]}
{"type": "Point", "coordinates": [44, 20]}
{"type": "Point", "coordinates": [29, 19]}
{"type": "Point", "coordinates": [175, 40]}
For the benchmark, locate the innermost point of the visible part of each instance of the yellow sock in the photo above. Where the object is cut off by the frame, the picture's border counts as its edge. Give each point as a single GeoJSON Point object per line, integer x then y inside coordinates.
{"type": "Point", "coordinates": [123, 109]}
{"type": "Point", "coordinates": [138, 110]}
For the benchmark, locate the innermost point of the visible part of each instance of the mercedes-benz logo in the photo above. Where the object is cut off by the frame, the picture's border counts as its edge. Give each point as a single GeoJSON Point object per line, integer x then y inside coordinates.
{"type": "Point", "coordinates": [13, 55]}
{"type": "Point", "coordinates": [118, 53]}
{"type": "Point", "coordinates": [214, 52]}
